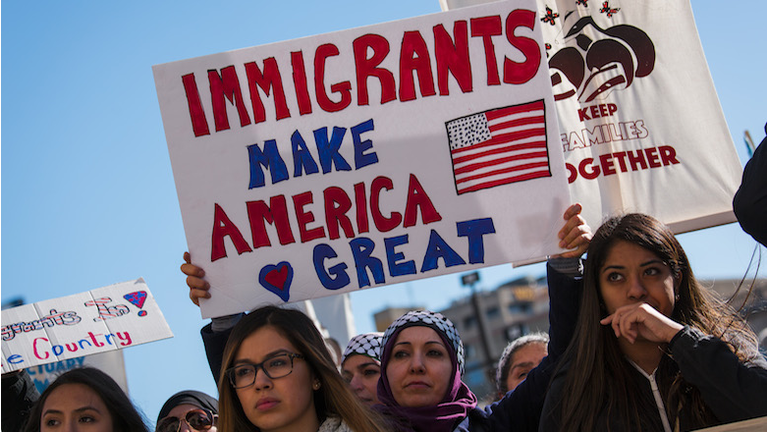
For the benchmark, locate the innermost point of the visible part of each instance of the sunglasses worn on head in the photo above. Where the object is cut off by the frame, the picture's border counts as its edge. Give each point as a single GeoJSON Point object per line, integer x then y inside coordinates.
{"type": "Point", "coordinates": [197, 419]}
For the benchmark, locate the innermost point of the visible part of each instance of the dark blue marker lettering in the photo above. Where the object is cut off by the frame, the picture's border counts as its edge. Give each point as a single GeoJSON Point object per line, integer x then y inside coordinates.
{"type": "Point", "coordinates": [474, 231]}
{"type": "Point", "coordinates": [302, 158]}
{"type": "Point", "coordinates": [361, 158]}
{"type": "Point", "coordinates": [329, 150]}
{"type": "Point", "coordinates": [269, 158]}
{"type": "Point", "coordinates": [395, 268]}
{"type": "Point", "coordinates": [438, 248]}
{"type": "Point", "coordinates": [336, 277]}
{"type": "Point", "coordinates": [362, 248]}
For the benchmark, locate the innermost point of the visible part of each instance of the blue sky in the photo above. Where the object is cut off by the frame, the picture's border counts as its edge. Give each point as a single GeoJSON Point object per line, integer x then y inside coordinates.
{"type": "Point", "coordinates": [88, 197]}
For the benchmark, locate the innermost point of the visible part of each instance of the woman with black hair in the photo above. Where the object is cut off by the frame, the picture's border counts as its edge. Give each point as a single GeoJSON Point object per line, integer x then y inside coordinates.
{"type": "Point", "coordinates": [653, 350]}
{"type": "Point", "coordinates": [85, 399]}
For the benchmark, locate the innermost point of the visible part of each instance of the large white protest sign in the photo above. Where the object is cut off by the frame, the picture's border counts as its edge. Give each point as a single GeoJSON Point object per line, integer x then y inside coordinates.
{"type": "Point", "coordinates": [101, 320]}
{"type": "Point", "coordinates": [640, 122]}
{"type": "Point", "coordinates": [366, 157]}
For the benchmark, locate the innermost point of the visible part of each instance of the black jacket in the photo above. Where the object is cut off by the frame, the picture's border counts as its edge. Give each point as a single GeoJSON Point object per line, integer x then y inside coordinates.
{"type": "Point", "coordinates": [733, 390]}
{"type": "Point", "coordinates": [520, 409]}
{"type": "Point", "coordinates": [749, 203]}
{"type": "Point", "coordinates": [19, 395]}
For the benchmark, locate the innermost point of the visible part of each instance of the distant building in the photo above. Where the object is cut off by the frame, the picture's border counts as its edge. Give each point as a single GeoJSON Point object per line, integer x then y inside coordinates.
{"type": "Point", "coordinates": [514, 309]}
{"type": "Point", "coordinates": [387, 316]}
{"type": "Point", "coordinates": [753, 310]}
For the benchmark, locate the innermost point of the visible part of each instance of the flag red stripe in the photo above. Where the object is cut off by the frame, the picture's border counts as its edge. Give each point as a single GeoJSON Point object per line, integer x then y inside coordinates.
{"type": "Point", "coordinates": [533, 106]}
{"type": "Point", "coordinates": [499, 161]}
{"type": "Point", "coordinates": [505, 170]}
{"type": "Point", "coordinates": [533, 175]}
{"type": "Point", "coordinates": [516, 122]}
{"type": "Point", "coordinates": [492, 151]}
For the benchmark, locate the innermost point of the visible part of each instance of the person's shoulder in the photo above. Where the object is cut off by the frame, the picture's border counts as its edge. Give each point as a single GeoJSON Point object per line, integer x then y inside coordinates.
{"type": "Point", "coordinates": [334, 424]}
{"type": "Point", "coordinates": [465, 425]}
{"type": "Point", "coordinates": [478, 420]}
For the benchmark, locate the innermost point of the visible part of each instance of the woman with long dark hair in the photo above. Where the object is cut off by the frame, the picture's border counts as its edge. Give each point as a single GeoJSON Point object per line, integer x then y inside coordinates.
{"type": "Point", "coordinates": [278, 375]}
{"type": "Point", "coordinates": [653, 350]}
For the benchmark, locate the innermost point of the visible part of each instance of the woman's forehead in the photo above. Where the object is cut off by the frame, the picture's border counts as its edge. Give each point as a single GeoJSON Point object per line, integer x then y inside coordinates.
{"type": "Point", "coordinates": [356, 361]}
{"type": "Point", "coordinates": [418, 334]}
{"type": "Point", "coordinates": [623, 251]}
{"type": "Point", "coordinates": [263, 342]}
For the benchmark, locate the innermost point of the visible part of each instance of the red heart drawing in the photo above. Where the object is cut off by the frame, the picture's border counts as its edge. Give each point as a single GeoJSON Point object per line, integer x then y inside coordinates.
{"type": "Point", "coordinates": [276, 277]}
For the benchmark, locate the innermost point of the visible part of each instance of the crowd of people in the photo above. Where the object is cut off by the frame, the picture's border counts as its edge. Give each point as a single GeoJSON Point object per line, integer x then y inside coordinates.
{"type": "Point", "coordinates": [635, 343]}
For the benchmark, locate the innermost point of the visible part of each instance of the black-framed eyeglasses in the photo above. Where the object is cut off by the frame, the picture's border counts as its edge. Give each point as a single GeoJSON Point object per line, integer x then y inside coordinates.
{"type": "Point", "coordinates": [275, 367]}
{"type": "Point", "coordinates": [197, 419]}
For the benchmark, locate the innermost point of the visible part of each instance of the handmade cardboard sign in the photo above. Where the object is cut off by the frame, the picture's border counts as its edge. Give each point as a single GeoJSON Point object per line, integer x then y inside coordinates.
{"type": "Point", "coordinates": [100, 320]}
{"type": "Point", "coordinates": [641, 126]}
{"type": "Point", "coordinates": [366, 157]}
{"type": "Point", "coordinates": [110, 362]}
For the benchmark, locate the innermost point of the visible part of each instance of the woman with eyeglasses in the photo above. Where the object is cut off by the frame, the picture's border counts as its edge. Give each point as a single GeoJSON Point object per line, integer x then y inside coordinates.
{"type": "Point", "coordinates": [277, 375]}
{"type": "Point", "coordinates": [188, 410]}
{"type": "Point", "coordinates": [85, 400]}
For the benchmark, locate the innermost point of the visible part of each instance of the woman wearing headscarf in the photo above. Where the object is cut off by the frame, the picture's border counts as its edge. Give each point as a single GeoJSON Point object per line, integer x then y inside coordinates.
{"type": "Point", "coordinates": [422, 359]}
{"type": "Point", "coordinates": [421, 386]}
{"type": "Point", "coordinates": [188, 410]}
{"type": "Point", "coordinates": [519, 357]}
{"type": "Point", "coordinates": [361, 366]}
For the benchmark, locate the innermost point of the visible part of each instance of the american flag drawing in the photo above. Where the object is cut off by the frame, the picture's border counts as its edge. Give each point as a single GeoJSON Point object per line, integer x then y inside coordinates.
{"type": "Point", "coordinates": [500, 146]}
